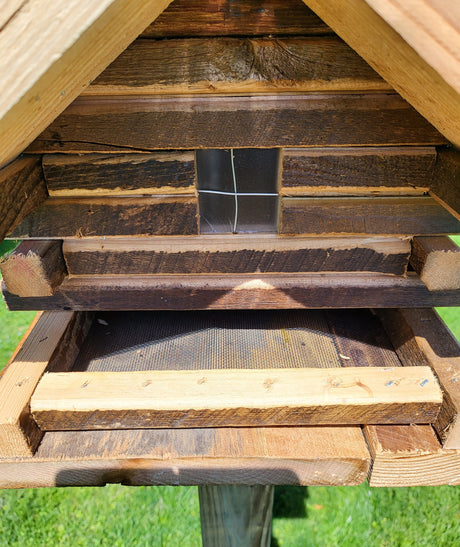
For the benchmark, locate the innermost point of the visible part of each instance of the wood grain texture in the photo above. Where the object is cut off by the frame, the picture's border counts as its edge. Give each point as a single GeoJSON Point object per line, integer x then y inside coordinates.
{"type": "Point", "coordinates": [410, 455]}
{"type": "Point", "coordinates": [437, 262]}
{"type": "Point", "coordinates": [235, 254]}
{"type": "Point", "coordinates": [22, 189]}
{"type": "Point", "coordinates": [308, 456]}
{"type": "Point", "coordinates": [19, 435]}
{"type": "Point", "coordinates": [238, 291]}
{"type": "Point", "coordinates": [98, 217]}
{"type": "Point", "coordinates": [236, 515]}
{"type": "Point", "coordinates": [116, 175]}
{"type": "Point", "coordinates": [224, 17]}
{"type": "Point", "coordinates": [419, 215]}
{"type": "Point", "coordinates": [395, 60]}
{"type": "Point", "coordinates": [357, 171]}
{"type": "Point", "coordinates": [51, 51]}
{"type": "Point", "coordinates": [237, 65]}
{"type": "Point", "coordinates": [446, 179]}
{"type": "Point", "coordinates": [92, 124]}
{"type": "Point", "coordinates": [34, 268]}
{"type": "Point", "coordinates": [419, 336]}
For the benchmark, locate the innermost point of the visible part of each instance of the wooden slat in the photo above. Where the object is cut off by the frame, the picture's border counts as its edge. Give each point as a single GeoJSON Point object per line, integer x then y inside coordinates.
{"type": "Point", "coordinates": [22, 189]}
{"type": "Point", "coordinates": [235, 254]}
{"type": "Point", "coordinates": [224, 17]}
{"type": "Point", "coordinates": [307, 455]}
{"type": "Point", "coordinates": [235, 398]}
{"type": "Point", "coordinates": [116, 175]}
{"type": "Point", "coordinates": [19, 435]}
{"type": "Point", "coordinates": [357, 171]}
{"type": "Point", "coordinates": [420, 337]}
{"type": "Point", "coordinates": [437, 262]}
{"type": "Point", "coordinates": [92, 124]}
{"type": "Point", "coordinates": [395, 60]}
{"type": "Point", "coordinates": [242, 291]}
{"type": "Point", "coordinates": [86, 217]}
{"type": "Point", "coordinates": [237, 65]}
{"type": "Point", "coordinates": [446, 180]}
{"type": "Point", "coordinates": [34, 268]}
{"type": "Point", "coordinates": [51, 51]}
{"type": "Point", "coordinates": [410, 455]}
{"type": "Point", "coordinates": [417, 215]}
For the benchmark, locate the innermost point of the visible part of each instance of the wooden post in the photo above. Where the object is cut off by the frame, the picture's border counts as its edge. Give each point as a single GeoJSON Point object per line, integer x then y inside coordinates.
{"type": "Point", "coordinates": [236, 516]}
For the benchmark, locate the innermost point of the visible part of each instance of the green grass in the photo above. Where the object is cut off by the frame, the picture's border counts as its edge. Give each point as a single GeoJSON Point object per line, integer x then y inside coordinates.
{"type": "Point", "coordinates": [169, 516]}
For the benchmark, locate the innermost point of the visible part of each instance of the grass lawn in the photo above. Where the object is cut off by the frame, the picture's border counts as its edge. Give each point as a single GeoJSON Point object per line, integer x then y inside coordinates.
{"type": "Point", "coordinates": [156, 516]}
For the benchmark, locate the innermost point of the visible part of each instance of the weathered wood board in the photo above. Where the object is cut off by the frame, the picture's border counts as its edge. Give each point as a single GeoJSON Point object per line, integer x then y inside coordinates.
{"type": "Point", "coordinates": [437, 262]}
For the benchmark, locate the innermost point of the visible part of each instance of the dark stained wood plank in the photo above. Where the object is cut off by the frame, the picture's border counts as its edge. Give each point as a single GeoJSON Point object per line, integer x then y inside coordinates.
{"type": "Point", "coordinates": [410, 455]}
{"type": "Point", "coordinates": [34, 268]}
{"type": "Point", "coordinates": [371, 171]}
{"type": "Point", "coordinates": [419, 215]}
{"type": "Point", "coordinates": [243, 291]}
{"type": "Point", "coordinates": [93, 124]}
{"type": "Point", "coordinates": [98, 217]}
{"type": "Point", "coordinates": [236, 254]}
{"type": "Point", "coordinates": [237, 65]}
{"type": "Point", "coordinates": [446, 179]}
{"type": "Point", "coordinates": [323, 456]}
{"type": "Point", "coordinates": [124, 174]}
{"type": "Point", "coordinates": [437, 262]}
{"type": "Point", "coordinates": [22, 189]}
{"type": "Point", "coordinates": [226, 17]}
{"type": "Point", "coordinates": [420, 337]}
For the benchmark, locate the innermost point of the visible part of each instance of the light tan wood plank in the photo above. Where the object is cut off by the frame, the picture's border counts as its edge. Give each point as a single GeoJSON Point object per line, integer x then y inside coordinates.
{"type": "Point", "coordinates": [437, 262]}
{"type": "Point", "coordinates": [395, 60]}
{"type": "Point", "coordinates": [51, 51]}
{"type": "Point", "coordinates": [124, 400]}
{"type": "Point", "coordinates": [410, 455]}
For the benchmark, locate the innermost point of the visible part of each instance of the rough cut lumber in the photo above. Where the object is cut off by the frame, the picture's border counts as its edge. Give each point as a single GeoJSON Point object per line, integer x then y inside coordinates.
{"type": "Point", "coordinates": [237, 65]}
{"type": "Point", "coordinates": [395, 60]}
{"type": "Point", "coordinates": [117, 175]}
{"type": "Point", "coordinates": [420, 337]}
{"type": "Point", "coordinates": [94, 124]}
{"type": "Point", "coordinates": [235, 398]}
{"type": "Point", "coordinates": [306, 455]}
{"type": "Point", "coordinates": [22, 189]}
{"type": "Point", "coordinates": [437, 262]}
{"type": "Point", "coordinates": [446, 179]}
{"type": "Point", "coordinates": [224, 17]}
{"type": "Point", "coordinates": [410, 455]}
{"type": "Point", "coordinates": [357, 171]}
{"type": "Point", "coordinates": [19, 435]}
{"type": "Point", "coordinates": [238, 291]}
{"type": "Point", "coordinates": [236, 515]}
{"type": "Point", "coordinates": [235, 254]}
{"type": "Point", "coordinates": [51, 51]}
{"type": "Point", "coordinates": [418, 215]}
{"type": "Point", "coordinates": [34, 268]}
{"type": "Point", "coordinates": [99, 217]}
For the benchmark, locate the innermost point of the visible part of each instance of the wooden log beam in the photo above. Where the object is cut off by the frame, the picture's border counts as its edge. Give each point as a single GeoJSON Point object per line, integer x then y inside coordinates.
{"type": "Point", "coordinates": [238, 291]}
{"type": "Point", "coordinates": [65, 47]}
{"type": "Point", "coordinates": [224, 18]}
{"type": "Point", "coordinates": [357, 171]}
{"type": "Point", "coordinates": [92, 124]}
{"type": "Point", "coordinates": [418, 215]}
{"type": "Point", "coordinates": [121, 174]}
{"type": "Point", "coordinates": [419, 336]}
{"type": "Point", "coordinates": [417, 80]}
{"type": "Point", "coordinates": [235, 254]}
{"type": "Point", "coordinates": [437, 262]}
{"type": "Point", "coordinates": [323, 456]}
{"type": "Point", "coordinates": [237, 66]}
{"type": "Point", "coordinates": [235, 398]}
{"type": "Point", "coordinates": [22, 189]}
